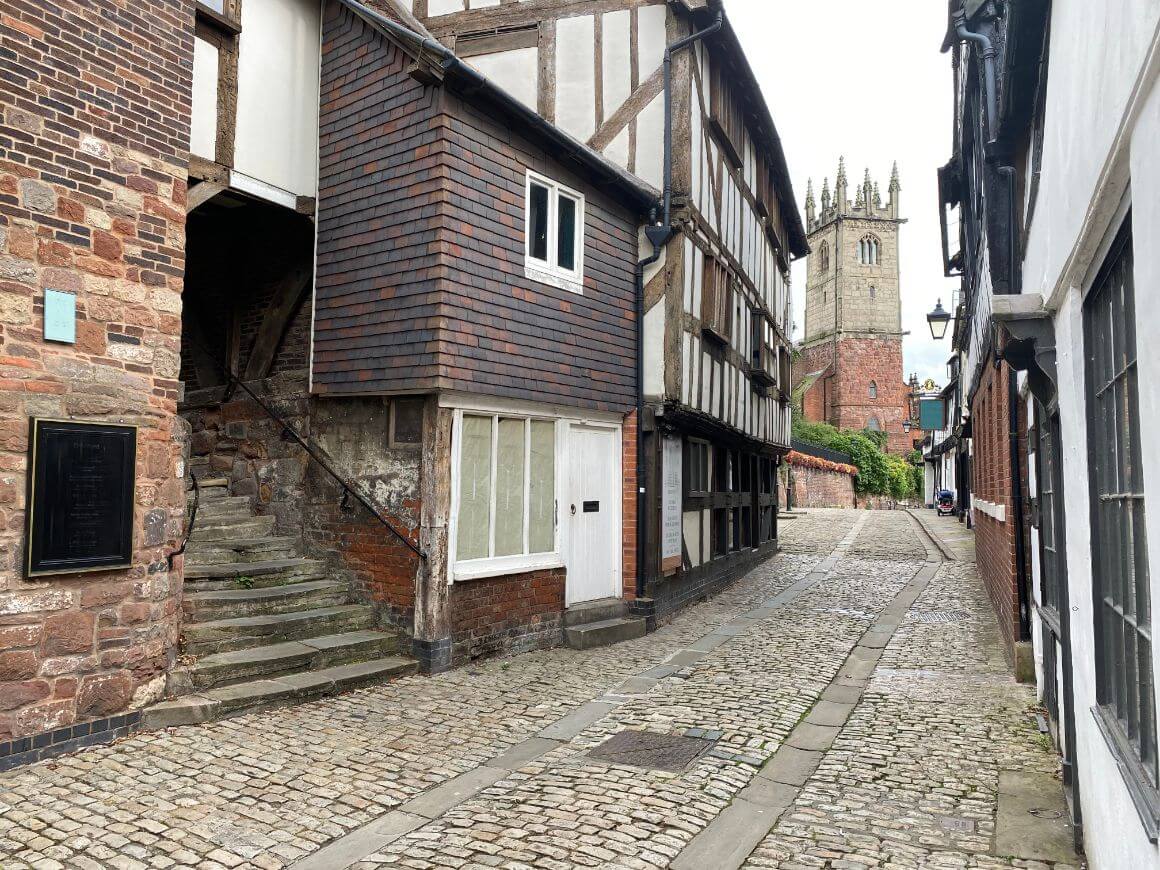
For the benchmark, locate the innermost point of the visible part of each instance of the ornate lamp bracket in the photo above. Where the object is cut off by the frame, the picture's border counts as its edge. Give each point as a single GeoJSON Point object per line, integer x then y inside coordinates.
{"type": "Point", "coordinates": [1027, 341]}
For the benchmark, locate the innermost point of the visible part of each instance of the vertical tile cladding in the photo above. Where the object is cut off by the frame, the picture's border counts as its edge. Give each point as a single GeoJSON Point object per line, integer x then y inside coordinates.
{"type": "Point", "coordinates": [96, 105]}
{"type": "Point", "coordinates": [421, 282]}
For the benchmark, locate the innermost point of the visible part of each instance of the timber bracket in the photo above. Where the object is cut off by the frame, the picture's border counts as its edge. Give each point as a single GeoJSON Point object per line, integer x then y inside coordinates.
{"type": "Point", "coordinates": [1027, 341]}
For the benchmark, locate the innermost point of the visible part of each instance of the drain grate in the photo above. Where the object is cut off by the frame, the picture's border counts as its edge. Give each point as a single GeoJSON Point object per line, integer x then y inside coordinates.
{"type": "Point", "coordinates": [936, 617]}
{"type": "Point", "coordinates": [652, 751]}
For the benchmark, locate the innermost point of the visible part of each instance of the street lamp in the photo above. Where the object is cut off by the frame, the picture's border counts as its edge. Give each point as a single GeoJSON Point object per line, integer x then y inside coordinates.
{"type": "Point", "coordinates": [907, 426]}
{"type": "Point", "coordinates": [938, 319]}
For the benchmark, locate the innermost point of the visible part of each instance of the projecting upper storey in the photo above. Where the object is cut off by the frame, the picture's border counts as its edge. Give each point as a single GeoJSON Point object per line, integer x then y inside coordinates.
{"type": "Point", "coordinates": [595, 69]}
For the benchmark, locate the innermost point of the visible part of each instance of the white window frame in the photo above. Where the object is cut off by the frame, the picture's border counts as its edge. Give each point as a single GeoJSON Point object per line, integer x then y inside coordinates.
{"type": "Point", "coordinates": [495, 566]}
{"type": "Point", "coordinates": [549, 271]}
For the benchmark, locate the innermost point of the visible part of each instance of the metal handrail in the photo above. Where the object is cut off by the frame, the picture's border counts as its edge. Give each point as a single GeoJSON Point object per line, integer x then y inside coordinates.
{"type": "Point", "coordinates": [348, 489]}
{"type": "Point", "coordinates": [189, 525]}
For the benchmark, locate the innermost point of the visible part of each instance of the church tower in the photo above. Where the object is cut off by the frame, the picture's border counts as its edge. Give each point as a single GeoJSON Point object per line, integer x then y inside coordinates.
{"type": "Point", "coordinates": [850, 368]}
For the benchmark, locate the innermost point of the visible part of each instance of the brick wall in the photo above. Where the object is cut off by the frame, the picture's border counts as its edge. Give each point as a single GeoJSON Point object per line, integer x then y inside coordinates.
{"type": "Point", "coordinates": [506, 614]}
{"type": "Point", "coordinates": [628, 509]}
{"type": "Point", "coordinates": [991, 482]}
{"type": "Point", "coordinates": [820, 488]}
{"type": "Point", "coordinates": [95, 99]}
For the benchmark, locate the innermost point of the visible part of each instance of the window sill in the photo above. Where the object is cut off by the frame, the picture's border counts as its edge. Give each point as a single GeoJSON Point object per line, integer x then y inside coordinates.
{"type": "Point", "coordinates": [542, 275]}
{"type": "Point", "coordinates": [1144, 795]}
{"type": "Point", "coordinates": [481, 569]}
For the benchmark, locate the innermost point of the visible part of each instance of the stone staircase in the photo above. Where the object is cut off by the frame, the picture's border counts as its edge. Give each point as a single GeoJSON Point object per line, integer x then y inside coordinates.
{"type": "Point", "coordinates": [601, 623]}
{"type": "Point", "coordinates": [263, 625]}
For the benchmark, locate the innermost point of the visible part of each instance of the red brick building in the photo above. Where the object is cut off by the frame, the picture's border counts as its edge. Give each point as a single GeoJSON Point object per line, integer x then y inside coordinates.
{"type": "Point", "coordinates": [849, 371]}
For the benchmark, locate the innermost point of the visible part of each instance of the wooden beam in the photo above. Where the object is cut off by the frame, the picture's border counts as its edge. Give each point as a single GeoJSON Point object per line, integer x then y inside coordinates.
{"type": "Point", "coordinates": [202, 193]}
{"type": "Point", "coordinates": [289, 293]}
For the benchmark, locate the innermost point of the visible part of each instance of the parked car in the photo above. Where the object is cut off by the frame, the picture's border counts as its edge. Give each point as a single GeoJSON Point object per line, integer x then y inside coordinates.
{"type": "Point", "coordinates": [945, 503]}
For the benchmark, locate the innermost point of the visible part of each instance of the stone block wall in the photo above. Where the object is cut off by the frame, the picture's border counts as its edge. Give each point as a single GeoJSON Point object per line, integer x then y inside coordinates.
{"type": "Point", "coordinates": [95, 99]}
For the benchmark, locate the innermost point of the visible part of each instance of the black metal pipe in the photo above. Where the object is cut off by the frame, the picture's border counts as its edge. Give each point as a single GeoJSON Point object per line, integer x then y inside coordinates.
{"type": "Point", "coordinates": [987, 50]}
{"type": "Point", "coordinates": [641, 489]}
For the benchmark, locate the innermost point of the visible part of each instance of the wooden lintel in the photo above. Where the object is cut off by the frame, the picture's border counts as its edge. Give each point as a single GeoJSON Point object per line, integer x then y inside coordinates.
{"type": "Point", "coordinates": [207, 170]}
{"type": "Point", "coordinates": [202, 193]}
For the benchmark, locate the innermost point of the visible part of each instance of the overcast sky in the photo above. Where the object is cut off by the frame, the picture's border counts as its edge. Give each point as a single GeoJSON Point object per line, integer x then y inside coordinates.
{"type": "Point", "coordinates": [865, 80]}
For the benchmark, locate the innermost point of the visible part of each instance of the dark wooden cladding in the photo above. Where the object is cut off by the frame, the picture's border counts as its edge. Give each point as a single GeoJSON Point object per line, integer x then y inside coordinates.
{"type": "Point", "coordinates": [421, 282]}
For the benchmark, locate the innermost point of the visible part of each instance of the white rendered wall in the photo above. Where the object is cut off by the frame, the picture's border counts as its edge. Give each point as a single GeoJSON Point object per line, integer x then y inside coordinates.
{"type": "Point", "coordinates": [277, 128]}
{"type": "Point", "coordinates": [203, 124]}
{"type": "Point", "coordinates": [576, 76]}
{"type": "Point", "coordinates": [516, 71]}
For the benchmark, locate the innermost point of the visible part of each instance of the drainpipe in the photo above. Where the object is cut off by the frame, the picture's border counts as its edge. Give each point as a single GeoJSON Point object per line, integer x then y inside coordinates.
{"type": "Point", "coordinates": [987, 50]}
{"type": "Point", "coordinates": [658, 233]}
{"type": "Point", "coordinates": [1022, 585]}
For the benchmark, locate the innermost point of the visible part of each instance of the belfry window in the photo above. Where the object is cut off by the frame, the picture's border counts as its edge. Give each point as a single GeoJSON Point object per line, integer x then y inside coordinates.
{"type": "Point", "coordinates": [824, 257]}
{"type": "Point", "coordinates": [868, 250]}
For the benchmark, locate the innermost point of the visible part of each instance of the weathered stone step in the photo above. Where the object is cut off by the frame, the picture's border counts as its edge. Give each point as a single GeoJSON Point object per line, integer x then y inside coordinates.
{"type": "Point", "coordinates": [278, 659]}
{"type": "Point", "coordinates": [227, 635]}
{"type": "Point", "coordinates": [263, 694]}
{"type": "Point", "coordinates": [247, 527]}
{"type": "Point", "coordinates": [603, 633]}
{"type": "Point", "coordinates": [253, 575]}
{"type": "Point", "coordinates": [226, 507]}
{"type": "Point", "coordinates": [218, 604]}
{"type": "Point", "coordinates": [244, 551]}
{"type": "Point", "coordinates": [595, 611]}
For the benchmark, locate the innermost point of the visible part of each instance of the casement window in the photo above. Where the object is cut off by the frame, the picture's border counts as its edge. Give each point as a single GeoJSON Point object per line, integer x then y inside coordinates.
{"type": "Point", "coordinates": [504, 493]}
{"type": "Point", "coordinates": [717, 300]}
{"type": "Point", "coordinates": [554, 251]}
{"type": "Point", "coordinates": [725, 113]}
{"type": "Point", "coordinates": [697, 454]}
{"type": "Point", "coordinates": [1125, 689]}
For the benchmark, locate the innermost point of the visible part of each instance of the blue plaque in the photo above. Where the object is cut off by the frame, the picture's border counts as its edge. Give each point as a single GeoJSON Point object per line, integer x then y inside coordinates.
{"type": "Point", "coordinates": [60, 316]}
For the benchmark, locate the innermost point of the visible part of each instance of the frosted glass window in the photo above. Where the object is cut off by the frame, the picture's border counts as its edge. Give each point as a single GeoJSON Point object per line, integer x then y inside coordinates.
{"type": "Point", "coordinates": [542, 504]}
{"type": "Point", "coordinates": [475, 489]}
{"type": "Point", "coordinates": [506, 487]}
{"type": "Point", "coordinates": [509, 488]}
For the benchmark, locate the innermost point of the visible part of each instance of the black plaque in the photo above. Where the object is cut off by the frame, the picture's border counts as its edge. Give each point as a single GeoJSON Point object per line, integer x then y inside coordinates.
{"type": "Point", "coordinates": [80, 496]}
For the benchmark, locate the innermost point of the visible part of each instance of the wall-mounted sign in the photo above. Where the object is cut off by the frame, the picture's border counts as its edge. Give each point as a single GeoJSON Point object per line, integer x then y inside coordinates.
{"type": "Point", "coordinates": [671, 503]}
{"type": "Point", "coordinates": [930, 415]}
{"type": "Point", "coordinates": [80, 496]}
{"type": "Point", "coordinates": [60, 316]}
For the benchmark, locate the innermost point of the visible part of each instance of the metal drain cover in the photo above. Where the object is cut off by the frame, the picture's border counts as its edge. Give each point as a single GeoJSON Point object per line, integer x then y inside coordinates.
{"type": "Point", "coordinates": [650, 750]}
{"type": "Point", "coordinates": [935, 617]}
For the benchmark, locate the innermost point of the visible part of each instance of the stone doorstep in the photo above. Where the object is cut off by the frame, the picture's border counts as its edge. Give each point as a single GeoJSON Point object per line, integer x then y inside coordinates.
{"type": "Point", "coordinates": [274, 660]}
{"type": "Point", "coordinates": [220, 604]}
{"type": "Point", "coordinates": [604, 633]}
{"type": "Point", "coordinates": [601, 610]}
{"type": "Point", "coordinates": [266, 694]}
{"type": "Point", "coordinates": [225, 635]}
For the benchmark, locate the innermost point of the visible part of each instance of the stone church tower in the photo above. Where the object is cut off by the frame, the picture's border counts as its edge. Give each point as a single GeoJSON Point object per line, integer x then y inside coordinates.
{"type": "Point", "coordinates": [850, 369]}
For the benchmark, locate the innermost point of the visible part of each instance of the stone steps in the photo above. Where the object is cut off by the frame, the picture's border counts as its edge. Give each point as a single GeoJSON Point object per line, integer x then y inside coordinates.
{"type": "Point", "coordinates": [603, 633]}
{"type": "Point", "coordinates": [213, 510]}
{"type": "Point", "coordinates": [218, 604]}
{"type": "Point", "coordinates": [248, 527]}
{"type": "Point", "coordinates": [280, 659]}
{"type": "Point", "coordinates": [241, 551]}
{"type": "Point", "coordinates": [253, 575]}
{"type": "Point", "coordinates": [228, 635]}
{"type": "Point", "coordinates": [263, 694]}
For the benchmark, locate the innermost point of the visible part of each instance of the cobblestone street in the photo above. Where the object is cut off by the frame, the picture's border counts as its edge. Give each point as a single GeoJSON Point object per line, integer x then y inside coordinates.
{"type": "Point", "coordinates": [846, 705]}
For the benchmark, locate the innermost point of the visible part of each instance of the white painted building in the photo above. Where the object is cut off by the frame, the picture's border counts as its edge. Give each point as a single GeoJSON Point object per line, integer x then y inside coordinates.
{"type": "Point", "coordinates": [1077, 121]}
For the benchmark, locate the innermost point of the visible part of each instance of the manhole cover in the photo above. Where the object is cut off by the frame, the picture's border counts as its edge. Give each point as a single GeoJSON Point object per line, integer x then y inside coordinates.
{"type": "Point", "coordinates": [651, 750]}
{"type": "Point", "coordinates": [959, 826]}
{"type": "Point", "coordinates": [938, 616]}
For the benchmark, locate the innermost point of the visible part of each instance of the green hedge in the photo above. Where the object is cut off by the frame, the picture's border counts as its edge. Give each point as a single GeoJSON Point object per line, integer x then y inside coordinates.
{"type": "Point", "coordinates": [879, 473]}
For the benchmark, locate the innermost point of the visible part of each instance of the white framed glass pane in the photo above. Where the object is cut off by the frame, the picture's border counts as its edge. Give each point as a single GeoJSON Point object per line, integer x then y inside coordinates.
{"type": "Point", "coordinates": [473, 531]}
{"type": "Point", "coordinates": [538, 221]}
{"type": "Point", "coordinates": [566, 235]}
{"type": "Point", "coordinates": [542, 489]}
{"type": "Point", "coordinates": [509, 489]}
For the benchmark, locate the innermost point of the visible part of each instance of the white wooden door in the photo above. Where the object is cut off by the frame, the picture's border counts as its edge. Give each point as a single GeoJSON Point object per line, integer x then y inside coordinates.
{"type": "Point", "coordinates": [591, 510]}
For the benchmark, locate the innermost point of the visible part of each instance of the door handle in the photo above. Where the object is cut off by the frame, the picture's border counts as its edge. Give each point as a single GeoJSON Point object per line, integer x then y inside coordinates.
{"type": "Point", "coordinates": [573, 510]}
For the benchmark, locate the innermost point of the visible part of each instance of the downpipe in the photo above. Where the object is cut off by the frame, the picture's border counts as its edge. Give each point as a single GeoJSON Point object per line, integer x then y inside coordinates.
{"type": "Point", "coordinates": [987, 52]}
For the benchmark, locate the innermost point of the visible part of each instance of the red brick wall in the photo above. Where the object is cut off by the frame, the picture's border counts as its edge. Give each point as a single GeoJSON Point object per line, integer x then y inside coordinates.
{"type": "Point", "coordinates": [991, 482]}
{"type": "Point", "coordinates": [628, 508]}
{"type": "Point", "coordinates": [95, 99]}
{"type": "Point", "coordinates": [506, 614]}
{"type": "Point", "coordinates": [843, 397]}
{"type": "Point", "coordinates": [818, 488]}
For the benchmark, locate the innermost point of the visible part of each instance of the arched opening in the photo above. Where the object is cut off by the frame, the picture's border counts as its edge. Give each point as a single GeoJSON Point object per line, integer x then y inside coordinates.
{"type": "Point", "coordinates": [873, 425]}
{"type": "Point", "coordinates": [868, 250]}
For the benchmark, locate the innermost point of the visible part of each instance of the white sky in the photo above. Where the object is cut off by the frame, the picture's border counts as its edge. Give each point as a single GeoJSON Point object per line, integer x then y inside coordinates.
{"type": "Point", "coordinates": [865, 80]}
